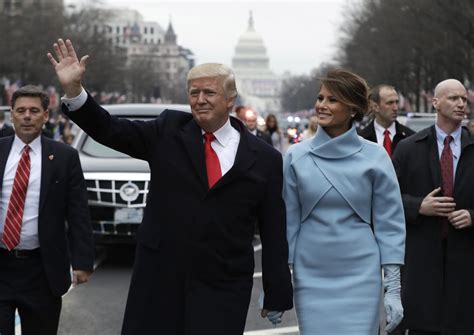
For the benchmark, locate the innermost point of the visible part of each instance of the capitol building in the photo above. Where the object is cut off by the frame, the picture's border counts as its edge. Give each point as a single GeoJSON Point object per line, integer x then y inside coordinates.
{"type": "Point", "coordinates": [258, 87]}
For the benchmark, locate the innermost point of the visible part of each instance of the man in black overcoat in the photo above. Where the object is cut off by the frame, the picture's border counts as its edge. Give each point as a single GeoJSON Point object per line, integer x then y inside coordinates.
{"type": "Point", "coordinates": [210, 181]}
{"type": "Point", "coordinates": [435, 168]}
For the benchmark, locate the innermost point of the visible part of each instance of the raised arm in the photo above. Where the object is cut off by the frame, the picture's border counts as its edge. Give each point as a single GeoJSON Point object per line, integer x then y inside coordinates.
{"type": "Point", "coordinates": [69, 69]}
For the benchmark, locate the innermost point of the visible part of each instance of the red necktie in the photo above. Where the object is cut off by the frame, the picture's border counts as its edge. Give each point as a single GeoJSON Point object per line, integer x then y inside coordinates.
{"type": "Point", "coordinates": [14, 218]}
{"type": "Point", "coordinates": [387, 142]}
{"type": "Point", "coordinates": [446, 164]}
{"type": "Point", "coordinates": [213, 167]}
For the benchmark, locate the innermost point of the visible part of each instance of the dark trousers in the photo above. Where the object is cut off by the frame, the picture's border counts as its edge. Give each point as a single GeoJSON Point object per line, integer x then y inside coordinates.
{"type": "Point", "coordinates": [23, 286]}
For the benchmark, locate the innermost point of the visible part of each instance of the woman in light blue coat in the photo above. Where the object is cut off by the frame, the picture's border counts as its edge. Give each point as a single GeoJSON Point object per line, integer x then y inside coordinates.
{"type": "Point", "coordinates": [344, 219]}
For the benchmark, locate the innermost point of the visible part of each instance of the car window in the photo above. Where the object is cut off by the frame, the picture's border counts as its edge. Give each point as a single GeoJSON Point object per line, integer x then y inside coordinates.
{"type": "Point", "coordinates": [92, 148]}
{"type": "Point", "coordinates": [6, 110]}
{"type": "Point", "coordinates": [417, 124]}
{"type": "Point", "coordinates": [95, 149]}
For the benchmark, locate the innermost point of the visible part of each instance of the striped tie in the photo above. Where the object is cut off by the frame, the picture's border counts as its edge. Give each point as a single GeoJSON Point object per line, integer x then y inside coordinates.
{"type": "Point", "coordinates": [14, 218]}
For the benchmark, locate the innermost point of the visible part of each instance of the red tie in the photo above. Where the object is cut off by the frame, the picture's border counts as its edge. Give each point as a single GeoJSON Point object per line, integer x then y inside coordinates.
{"type": "Point", "coordinates": [14, 218]}
{"type": "Point", "coordinates": [213, 167]}
{"type": "Point", "coordinates": [387, 142]}
{"type": "Point", "coordinates": [446, 164]}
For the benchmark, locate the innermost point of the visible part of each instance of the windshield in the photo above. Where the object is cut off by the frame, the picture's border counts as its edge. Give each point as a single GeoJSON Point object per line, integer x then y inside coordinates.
{"type": "Point", "coordinates": [92, 148]}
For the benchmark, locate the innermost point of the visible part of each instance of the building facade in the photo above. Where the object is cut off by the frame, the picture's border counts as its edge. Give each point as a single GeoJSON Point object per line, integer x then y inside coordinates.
{"type": "Point", "coordinates": [148, 43]}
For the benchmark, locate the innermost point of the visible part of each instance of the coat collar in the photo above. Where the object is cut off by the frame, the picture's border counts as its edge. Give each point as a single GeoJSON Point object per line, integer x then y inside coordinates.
{"type": "Point", "coordinates": [246, 154]}
{"type": "Point", "coordinates": [430, 134]}
{"type": "Point", "coordinates": [342, 146]}
{"type": "Point", "coordinates": [191, 135]}
{"type": "Point", "coordinates": [466, 138]}
{"type": "Point", "coordinates": [399, 130]}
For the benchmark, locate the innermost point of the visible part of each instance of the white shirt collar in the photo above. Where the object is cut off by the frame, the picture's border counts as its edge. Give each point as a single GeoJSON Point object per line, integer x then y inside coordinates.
{"type": "Point", "coordinates": [223, 134]}
{"type": "Point", "coordinates": [35, 145]}
{"type": "Point", "coordinates": [381, 129]}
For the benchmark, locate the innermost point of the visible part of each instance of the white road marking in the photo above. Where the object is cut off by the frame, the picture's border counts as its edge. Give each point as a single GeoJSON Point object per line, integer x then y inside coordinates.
{"type": "Point", "coordinates": [258, 247]}
{"type": "Point", "coordinates": [257, 275]}
{"type": "Point", "coordinates": [286, 330]}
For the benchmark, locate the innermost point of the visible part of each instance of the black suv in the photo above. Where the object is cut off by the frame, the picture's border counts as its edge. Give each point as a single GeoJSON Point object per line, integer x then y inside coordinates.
{"type": "Point", "coordinates": [117, 185]}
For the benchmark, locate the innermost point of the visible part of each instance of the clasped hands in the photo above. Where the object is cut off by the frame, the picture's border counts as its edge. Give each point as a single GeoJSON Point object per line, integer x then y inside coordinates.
{"type": "Point", "coordinates": [273, 316]}
{"type": "Point", "coordinates": [433, 205]}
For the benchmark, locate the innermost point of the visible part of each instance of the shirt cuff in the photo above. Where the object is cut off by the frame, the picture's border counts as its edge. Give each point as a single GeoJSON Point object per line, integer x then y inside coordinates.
{"type": "Point", "coordinates": [75, 103]}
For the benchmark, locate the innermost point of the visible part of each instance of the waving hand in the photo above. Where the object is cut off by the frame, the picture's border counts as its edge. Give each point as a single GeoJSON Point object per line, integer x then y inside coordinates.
{"type": "Point", "coordinates": [69, 69]}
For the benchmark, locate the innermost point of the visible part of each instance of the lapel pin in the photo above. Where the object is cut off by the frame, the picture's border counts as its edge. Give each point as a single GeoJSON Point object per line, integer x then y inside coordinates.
{"type": "Point", "coordinates": [51, 157]}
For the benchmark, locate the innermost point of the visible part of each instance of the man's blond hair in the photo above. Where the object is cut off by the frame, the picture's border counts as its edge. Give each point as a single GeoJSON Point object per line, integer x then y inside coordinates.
{"type": "Point", "coordinates": [215, 70]}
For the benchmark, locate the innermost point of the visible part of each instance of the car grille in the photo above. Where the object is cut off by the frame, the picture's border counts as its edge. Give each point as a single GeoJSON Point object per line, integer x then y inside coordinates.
{"type": "Point", "coordinates": [107, 193]}
{"type": "Point", "coordinates": [105, 197]}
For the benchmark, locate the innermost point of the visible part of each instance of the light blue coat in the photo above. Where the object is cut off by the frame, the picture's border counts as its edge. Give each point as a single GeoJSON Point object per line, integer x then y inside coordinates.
{"type": "Point", "coordinates": [334, 188]}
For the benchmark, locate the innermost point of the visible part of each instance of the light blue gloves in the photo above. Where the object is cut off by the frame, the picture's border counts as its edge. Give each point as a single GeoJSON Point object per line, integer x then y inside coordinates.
{"type": "Point", "coordinates": [392, 300]}
{"type": "Point", "coordinates": [273, 316]}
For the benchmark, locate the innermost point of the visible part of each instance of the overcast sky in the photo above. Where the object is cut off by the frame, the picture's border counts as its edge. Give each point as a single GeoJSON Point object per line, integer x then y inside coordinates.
{"type": "Point", "coordinates": [299, 35]}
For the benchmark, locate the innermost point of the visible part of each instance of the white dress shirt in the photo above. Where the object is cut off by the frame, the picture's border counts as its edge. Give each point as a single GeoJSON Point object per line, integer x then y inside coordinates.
{"type": "Point", "coordinates": [225, 145]}
{"type": "Point", "coordinates": [75, 103]}
{"type": "Point", "coordinates": [379, 130]}
{"type": "Point", "coordinates": [29, 229]}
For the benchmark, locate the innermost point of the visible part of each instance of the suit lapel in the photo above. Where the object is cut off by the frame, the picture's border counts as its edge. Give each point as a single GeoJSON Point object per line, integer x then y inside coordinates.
{"type": "Point", "coordinates": [47, 164]}
{"type": "Point", "coordinates": [466, 140]}
{"type": "Point", "coordinates": [371, 132]}
{"type": "Point", "coordinates": [4, 152]}
{"type": "Point", "coordinates": [191, 135]}
{"type": "Point", "coordinates": [434, 157]}
{"type": "Point", "coordinates": [399, 135]}
{"type": "Point", "coordinates": [245, 156]}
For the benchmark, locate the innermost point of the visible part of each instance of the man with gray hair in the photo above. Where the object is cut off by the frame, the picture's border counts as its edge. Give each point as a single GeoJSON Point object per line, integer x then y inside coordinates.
{"type": "Point", "coordinates": [436, 176]}
{"type": "Point", "coordinates": [210, 181]}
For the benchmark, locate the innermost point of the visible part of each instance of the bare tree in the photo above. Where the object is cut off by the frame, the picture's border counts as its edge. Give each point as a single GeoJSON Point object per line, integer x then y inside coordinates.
{"type": "Point", "coordinates": [26, 32]}
{"type": "Point", "coordinates": [410, 44]}
{"type": "Point", "coordinates": [106, 66]}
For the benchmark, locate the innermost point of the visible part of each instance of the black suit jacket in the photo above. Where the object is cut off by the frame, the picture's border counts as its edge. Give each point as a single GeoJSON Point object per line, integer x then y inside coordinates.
{"type": "Point", "coordinates": [6, 130]}
{"type": "Point", "coordinates": [401, 132]}
{"type": "Point", "coordinates": [441, 303]}
{"type": "Point", "coordinates": [264, 136]}
{"type": "Point", "coordinates": [63, 198]}
{"type": "Point", "coordinates": [195, 258]}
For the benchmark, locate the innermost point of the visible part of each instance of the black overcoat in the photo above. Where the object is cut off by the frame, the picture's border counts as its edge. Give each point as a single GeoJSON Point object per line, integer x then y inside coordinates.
{"type": "Point", "coordinates": [193, 271]}
{"type": "Point", "coordinates": [438, 277]}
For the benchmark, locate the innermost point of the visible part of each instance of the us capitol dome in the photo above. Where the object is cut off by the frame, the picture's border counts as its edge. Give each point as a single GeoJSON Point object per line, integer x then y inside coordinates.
{"type": "Point", "coordinates": [258, 86]}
